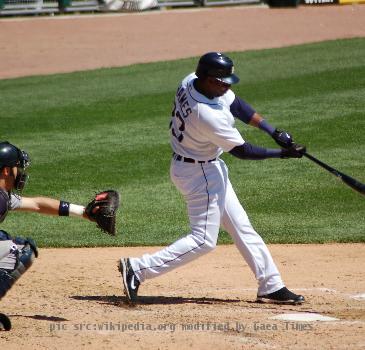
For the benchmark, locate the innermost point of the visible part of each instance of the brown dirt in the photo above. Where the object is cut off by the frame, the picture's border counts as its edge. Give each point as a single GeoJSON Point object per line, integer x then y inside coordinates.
{"type": "Point", "coordinates": [64, 44]}
{"type": "Point", "coordinates": [72, 298]}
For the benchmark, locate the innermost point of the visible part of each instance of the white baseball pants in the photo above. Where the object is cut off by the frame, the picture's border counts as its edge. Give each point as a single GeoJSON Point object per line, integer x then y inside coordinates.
{"type": "Point", "coordinates": [5, 248]}
{"type": "Point", "coordinates": [7, 256]}
{"type": "Point", "coordinates": [211, 203]}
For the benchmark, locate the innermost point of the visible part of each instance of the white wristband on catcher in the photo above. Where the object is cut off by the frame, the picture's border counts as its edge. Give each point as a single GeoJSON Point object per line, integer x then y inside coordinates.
{"type": "Point", "coordinates": [76, 210]}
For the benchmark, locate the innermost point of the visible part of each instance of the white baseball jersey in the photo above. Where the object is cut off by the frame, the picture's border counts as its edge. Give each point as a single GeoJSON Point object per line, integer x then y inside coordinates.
{"type": "Point", "coordinates": [202, 128]}
{"type": "Point", "coordinates": [7, 203]}
{"type": "Point", "coordinates": [7, 247]}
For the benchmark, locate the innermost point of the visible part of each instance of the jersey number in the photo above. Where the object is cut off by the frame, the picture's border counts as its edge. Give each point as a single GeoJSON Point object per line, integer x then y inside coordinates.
{"type": "Point", "coordinates": [181, 128]}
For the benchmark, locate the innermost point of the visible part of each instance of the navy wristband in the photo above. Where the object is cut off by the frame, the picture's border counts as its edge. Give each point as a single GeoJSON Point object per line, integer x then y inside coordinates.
{"type": "Point", "coordinates": [64, 208]}
{"type": "Point", "coordinates": [265, 126]}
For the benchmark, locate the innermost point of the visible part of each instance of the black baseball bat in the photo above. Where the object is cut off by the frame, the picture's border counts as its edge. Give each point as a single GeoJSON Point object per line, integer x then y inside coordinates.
{"type": "Point", "coordinates": [348, 180]}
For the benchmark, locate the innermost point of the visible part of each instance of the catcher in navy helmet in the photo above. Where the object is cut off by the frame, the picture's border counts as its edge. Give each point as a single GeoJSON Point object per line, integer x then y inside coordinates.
{"type": "Point", "coordinates": [17, 253]}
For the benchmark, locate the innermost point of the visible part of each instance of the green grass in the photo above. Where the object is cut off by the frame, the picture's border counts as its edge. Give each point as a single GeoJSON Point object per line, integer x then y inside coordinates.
{"type": "Point", "coordinates": [108, 128]}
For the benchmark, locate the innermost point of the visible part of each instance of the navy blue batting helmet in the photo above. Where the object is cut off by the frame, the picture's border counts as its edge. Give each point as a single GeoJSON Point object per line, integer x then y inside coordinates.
{"type": "Point", "coordinates": [217, 65]}
{"type": "Point", "coordinates": [11, 156]}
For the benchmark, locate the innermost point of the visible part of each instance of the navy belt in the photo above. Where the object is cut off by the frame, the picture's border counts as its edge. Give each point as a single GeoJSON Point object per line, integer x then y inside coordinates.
{"type": "Point", "coordinates": [191, 160]}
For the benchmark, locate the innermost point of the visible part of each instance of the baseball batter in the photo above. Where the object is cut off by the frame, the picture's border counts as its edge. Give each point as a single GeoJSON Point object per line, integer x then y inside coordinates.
{"type": "Point", "coordinates": [202, 128]}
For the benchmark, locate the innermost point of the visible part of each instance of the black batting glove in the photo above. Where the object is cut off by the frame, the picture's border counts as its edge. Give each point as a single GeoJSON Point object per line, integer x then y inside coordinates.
{"type": "Point", "coordinates": [295, 151]}
{"type": "Point", "coordinates": [282, 138]}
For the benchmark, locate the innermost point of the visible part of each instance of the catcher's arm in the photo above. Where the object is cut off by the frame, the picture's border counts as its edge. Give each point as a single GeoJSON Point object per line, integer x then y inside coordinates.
{"type": "Point", "coordinates": [50, 206]}
{"type": "Point", "coordinates": [102, 209]}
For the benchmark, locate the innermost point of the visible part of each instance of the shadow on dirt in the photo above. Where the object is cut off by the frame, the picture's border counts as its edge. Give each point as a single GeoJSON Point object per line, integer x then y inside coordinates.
{"type": "Point", "coordinates": [42, 317]}
{"type": "Point", "coordinates": [153, 300]}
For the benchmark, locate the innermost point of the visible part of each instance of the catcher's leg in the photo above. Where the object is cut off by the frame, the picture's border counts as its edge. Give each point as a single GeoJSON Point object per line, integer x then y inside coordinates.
{"type": "Point", "coordinates": [16, 256]}
{"type": "Point", "coordinates": [6, 244]}
{"type": "Point", "coordinates": [20, 255]}
{"type": "Point", "coordinates": [5, 248]}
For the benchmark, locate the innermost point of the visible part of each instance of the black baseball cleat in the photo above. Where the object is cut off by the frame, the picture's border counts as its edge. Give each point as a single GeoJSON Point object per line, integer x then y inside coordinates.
{"type": "Point", "coordinates": [5, 324]}
{"type": "Point", "coordinates": [281, 296]}
{"type": "Point", "coordinates": [130, 280]}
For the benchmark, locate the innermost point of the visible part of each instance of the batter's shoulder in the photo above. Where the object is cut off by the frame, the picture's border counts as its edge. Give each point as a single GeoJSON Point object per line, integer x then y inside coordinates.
{"type": "Point", "coordinates": [210, 115]}
{"type": "Point", "coordinates": [189, 78]}
{"type": "Point", "coordinates": [228, 98]}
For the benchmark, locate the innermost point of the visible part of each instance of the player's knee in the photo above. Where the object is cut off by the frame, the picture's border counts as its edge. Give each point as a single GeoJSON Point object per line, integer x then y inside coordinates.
{"type": "Point", "coordinates": [211, 237]}
{"type": "Point", "coordinates": [25, 255]}
{"type": "Point", "coordinates": [210, 244]}
{"type": "Point", "coordinates": [205, 243]}
{"type": "Point", "coordinates": [26, 246]}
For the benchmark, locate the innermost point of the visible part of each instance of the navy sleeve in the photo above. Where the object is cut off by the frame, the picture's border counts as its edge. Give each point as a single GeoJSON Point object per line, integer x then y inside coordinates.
{"type": "Point", "coordinates": [252, 152]}
{"type": "Point", "coordinates": [241, 110]}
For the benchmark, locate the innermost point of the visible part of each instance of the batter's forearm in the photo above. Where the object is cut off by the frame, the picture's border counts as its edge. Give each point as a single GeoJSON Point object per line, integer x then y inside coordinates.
{"type": "Point", "coordinates": [281, 137]}
{"type": "Point", "coordinates": [261, 123]}
{"type": "Point", "coordinates": [252, 152]}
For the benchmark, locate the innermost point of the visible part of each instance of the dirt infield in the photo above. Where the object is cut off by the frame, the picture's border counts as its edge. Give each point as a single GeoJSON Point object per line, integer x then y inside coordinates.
{"type": "Point", "coordinates": [72, 298]}
{"type": "Point", "coordinates": [49, 45]}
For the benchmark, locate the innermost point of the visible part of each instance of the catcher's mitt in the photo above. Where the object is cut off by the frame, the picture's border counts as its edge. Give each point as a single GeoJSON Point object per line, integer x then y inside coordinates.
{"type": "Point", "coordinates": [103, 210]}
